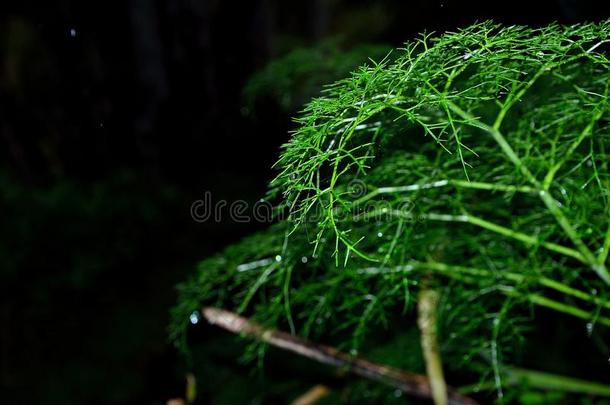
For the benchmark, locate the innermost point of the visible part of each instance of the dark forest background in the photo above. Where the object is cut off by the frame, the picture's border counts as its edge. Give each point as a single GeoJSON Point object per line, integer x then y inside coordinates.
{"type": "Point", "coordinates": [114, 117]}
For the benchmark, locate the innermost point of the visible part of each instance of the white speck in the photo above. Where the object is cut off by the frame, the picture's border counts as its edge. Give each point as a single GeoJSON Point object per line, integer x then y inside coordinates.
{"type": "Point", "coordinates": [397, 393]}
{"type": "Point", "coordinates": [278, 258]}
{"type": "Point", "coordinates": [304, 259]}
{"type": "Point", "coordinates": [101, 125]}
{"type": "Point", "coordinates": [379, 234]}
{"type": "Point", "coordinates": [589, 163]}
{"type": "Point", "coordinates": [73, 32]}
{"type": "Point", "coordinates": [589, 328]}
{"type": "Point", "coordinates": [194, 318]}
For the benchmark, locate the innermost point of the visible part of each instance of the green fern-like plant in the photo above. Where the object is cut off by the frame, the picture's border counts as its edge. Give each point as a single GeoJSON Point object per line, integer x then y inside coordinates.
{"type": "Point", "coordinates": [473, 163]}
{"type": "Point", "coordinates": [299, 75]}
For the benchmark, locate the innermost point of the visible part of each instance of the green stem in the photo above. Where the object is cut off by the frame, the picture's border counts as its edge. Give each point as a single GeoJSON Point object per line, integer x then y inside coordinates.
{"type": "Point", "coordinates": [557, 382]}
{"type": "Point", "coordinates": [549, 201]}
{"type": "Point", "coordinates": [529, 240]}
{"type": "Point", "coordinates": [603, 256]}
{"type": "Point", "coordinates": [542, 381]}
{"type": "Point", "coordinates": [463, 273]}
{"type": "Point", "coordinates": [477, 185]}
{"type": "Point", "coordinates": [564, 308]}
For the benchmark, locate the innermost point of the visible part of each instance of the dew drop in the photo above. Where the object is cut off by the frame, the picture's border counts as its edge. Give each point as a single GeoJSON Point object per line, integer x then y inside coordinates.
{"type": "Point", "coordinates": [194, 317]}
{"type": "Point", "coordinates": [379, 234]}
{"type": "Point", "coordinates": [278, 258]}
{"type": "Point", "coordinates": [304, 259]}
{"type": "Point", "coordinates": [590, 328]}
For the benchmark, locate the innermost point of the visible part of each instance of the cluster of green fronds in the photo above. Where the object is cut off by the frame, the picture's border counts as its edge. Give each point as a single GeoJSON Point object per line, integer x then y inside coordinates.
{"type": "Point", "coordinates": [474, 163]}
{"type": "Point", "coordinates": [296, 77]}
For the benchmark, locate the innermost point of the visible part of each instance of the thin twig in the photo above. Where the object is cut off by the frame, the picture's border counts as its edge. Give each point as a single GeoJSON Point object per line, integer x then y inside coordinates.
{"type": "Point", "coordinates": [427, 305]}
{"type": "Point", "coordinates": [312, 396]}
{"type": "Point", "coordinates": [411, 384]}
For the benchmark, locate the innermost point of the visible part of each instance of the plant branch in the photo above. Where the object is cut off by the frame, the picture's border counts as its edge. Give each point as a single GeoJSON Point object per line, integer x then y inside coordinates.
{"type": "Point", "coordinates": [545, 196]}
{"type": "Point", "coordinates": [412, 384]}
{"type": "Point", "coordinates": [427, 305]}
{"type": "Point", "coordinates": [470, 275]}
{"type": "Point", "coordinates": [471, 219]}
{"type": "Point", "coordinates": [544, 381]}
{"type": "Point", "coordinates": [477, 185]}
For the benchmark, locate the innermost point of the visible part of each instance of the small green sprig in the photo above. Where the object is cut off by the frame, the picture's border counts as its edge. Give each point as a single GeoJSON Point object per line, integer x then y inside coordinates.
{"type": "Point", "coordinates": [481, 163]}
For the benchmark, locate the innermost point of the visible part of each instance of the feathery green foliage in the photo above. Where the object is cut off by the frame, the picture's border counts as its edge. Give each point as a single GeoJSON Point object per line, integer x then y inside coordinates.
{"type": "Point", "coordinates": [475, 162]}
{"type": "Point", "coordinates": [299, 75]}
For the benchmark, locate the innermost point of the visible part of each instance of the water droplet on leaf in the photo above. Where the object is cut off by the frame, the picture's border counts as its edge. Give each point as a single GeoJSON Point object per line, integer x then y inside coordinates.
{"type": "Point", "coordinates": [590, 328]}
{"type": "Point", "coordinates": [194, 317]}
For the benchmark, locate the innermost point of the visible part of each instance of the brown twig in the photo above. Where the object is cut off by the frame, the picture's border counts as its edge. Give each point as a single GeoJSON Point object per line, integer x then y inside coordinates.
{"type": "Point", "coordinates": [427, 304]}
{"type": "Point", "coordinates": [312, 396]}
{"type": "Point", "coordinates": [411, 384]}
